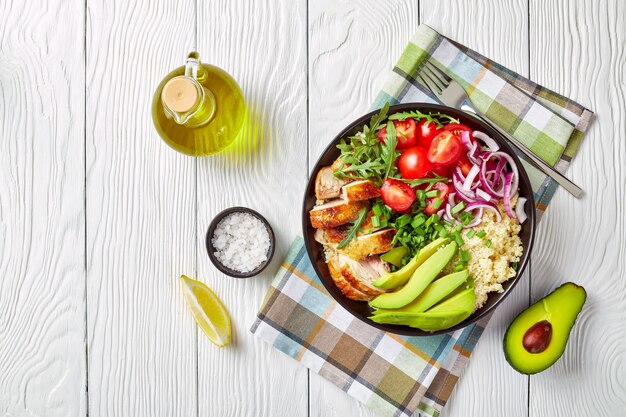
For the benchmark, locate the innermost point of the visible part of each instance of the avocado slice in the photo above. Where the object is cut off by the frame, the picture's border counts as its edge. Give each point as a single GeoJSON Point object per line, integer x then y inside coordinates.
{"type": "Point", "coordinates": [464, 300]}
{"type": "Point", "coordinates": [402, 275]}
{"type": "Point", "coordinates": [537, 337]}
{"type": "Point", "coordinates": [420, 279]}
{"type": "Point", "coordinates": [427, 321]}
{"type": "Point", "coordinates": [394, 256]}
{"type": "Point", "coordinates": [435, 292]}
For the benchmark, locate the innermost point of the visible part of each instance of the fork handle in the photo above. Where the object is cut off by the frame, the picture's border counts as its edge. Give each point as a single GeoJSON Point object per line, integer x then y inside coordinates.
{"type": "Point", "coordinates": [572, 188]}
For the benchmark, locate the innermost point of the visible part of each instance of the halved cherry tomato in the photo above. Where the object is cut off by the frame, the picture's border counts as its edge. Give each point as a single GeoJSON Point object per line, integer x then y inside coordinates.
{"type": "Point", "coordinates": [465, 164]}
{"type": "Point", "coordinates": [397, 194]}
{"type": "Point", "coordinates": [444, 190]}
{"type": "Point", "coordinates": [445, 149]}
{"type": "Point", "coordinates": [426, 132]}
{"type": "Point", "coordinates": [413, 163]}
{"type": "Point", "coordinates": [406, 131]}
{"type": "Point", "coordinates": [457, 128]}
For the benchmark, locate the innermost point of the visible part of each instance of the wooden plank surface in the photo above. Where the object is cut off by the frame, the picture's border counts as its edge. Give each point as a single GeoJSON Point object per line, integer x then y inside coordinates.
{"type": "Point", "coordinates": [140, 215]}
{"type": "Point", "coordinates": [579, 50]}
{"type": "Point", "coordinates": [42, 246]}
{"type": "Point", "coordinates": [146, 208]}
{"type": "Point", "coordinates": [262, 44]}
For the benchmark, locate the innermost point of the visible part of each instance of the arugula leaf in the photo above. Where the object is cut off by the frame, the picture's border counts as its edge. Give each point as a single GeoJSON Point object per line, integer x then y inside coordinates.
{"type": "Point", "coordinates": [353, 229]}
{"type": "Point", "coordinates": [421, 181]}
{"type": "Point", "coordinates": [389, 150]}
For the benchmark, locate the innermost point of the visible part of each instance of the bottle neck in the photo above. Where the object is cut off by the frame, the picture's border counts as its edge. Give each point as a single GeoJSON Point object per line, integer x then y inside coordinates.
{"type": "Point", "coordinates": [187, 102]}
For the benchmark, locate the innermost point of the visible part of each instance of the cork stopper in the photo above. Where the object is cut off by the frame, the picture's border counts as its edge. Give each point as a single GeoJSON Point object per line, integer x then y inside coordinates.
{"type": "Point", "coordinates": [179, 94]}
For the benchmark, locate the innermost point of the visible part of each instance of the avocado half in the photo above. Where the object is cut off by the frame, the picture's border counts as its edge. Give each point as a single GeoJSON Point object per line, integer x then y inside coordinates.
{"type": "Point", "coordinates": [537, 337]}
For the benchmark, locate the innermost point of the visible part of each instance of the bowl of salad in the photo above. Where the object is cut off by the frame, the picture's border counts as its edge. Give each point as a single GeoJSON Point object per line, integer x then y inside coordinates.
{"type": "Point", "coordinates": [419, 219]}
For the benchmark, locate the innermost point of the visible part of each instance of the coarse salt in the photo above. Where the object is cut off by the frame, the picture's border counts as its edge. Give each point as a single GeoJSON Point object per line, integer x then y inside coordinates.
{"type": "Point", "coordinates": [241, 242]}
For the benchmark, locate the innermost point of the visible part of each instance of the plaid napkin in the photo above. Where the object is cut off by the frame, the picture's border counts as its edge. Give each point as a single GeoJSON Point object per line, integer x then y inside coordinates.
{"type": "Point", "coordinates": [397, 375]}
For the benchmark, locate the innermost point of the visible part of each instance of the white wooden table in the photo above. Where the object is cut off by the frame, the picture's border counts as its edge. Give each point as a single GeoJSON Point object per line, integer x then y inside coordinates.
{"type": "Point", "coordinates": [99, 218]}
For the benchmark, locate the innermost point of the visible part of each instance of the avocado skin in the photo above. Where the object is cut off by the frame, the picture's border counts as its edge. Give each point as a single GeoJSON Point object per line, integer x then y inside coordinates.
{"type": "Point", "coordinates": [549, 308]}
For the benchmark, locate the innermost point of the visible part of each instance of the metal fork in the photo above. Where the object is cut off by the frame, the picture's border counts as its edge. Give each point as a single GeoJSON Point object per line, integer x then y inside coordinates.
{"type": "Point", "coordinates": [452, 94]}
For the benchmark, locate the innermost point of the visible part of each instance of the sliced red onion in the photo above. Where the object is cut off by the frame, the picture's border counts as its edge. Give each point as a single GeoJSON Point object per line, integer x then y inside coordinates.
{"type": "Point", "coordinates": [501, 163]}
{"type": "Point", "coordinates": [482, 194]}
{"type": "Point", "coordinates": [440, 213]}
{"type": "Point", "coordinates": [519, 210]}
{"type": "Point", "coordinates": [466, 140]}
{"type": "Point", "coordinates": [486, 206]}
{"type": "Point", "coordinates": [514, 170]}
{"type": "Point", "coordinates": [469, 180]}
{"type": "Point", "coordinates": [508, 179]}
{"type": "Point", "coordinates": [448, 215]}
{"type": "Point", "coordinates": [491, 144]}
{"type": "Point", "coordinates": [487, 183]}
{"type": "Point", "coordinates": [478, 218]}
{"type": "Point", "coordinates": [451, 199]}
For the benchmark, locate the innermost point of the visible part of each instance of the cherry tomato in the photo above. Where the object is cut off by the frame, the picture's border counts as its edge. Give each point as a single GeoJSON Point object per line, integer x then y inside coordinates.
{"type": "Point", "coordinates": [413, 163]}
{"type": "Point", "coordinates": [444, 190]}
{"type": "Point", "coordinates": [397, 194]}
{"type": "Point", "coordinates": [426, 132]}
{"type": "Point", "coordinates": [443, 170]}
{"type": "Point", "coordinates": [457, 128]}
{"type": "Point", "coordinates": [406, 131]}
{"type": "Point", "coordinates": [445, 149]}
{"type": "Point", "coordinates": [465, 164]}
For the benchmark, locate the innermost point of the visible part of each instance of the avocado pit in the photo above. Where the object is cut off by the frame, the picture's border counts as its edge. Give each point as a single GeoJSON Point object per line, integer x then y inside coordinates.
{"type": "Point", "coordinates": [537, 338]}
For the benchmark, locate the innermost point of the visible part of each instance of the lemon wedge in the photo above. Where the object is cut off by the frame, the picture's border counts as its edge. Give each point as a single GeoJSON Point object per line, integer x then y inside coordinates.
{"type": "Point", "coordinates": [208, 310]}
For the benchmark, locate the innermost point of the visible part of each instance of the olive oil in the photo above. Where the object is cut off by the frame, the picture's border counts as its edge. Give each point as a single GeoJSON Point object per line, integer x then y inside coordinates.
{"type": "Point", "coordinates": [198, 109]}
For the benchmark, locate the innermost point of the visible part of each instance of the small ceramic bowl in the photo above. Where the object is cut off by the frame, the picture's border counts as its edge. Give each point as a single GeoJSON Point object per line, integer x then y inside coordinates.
{"type": "Point", "coordinates": [211, 250]}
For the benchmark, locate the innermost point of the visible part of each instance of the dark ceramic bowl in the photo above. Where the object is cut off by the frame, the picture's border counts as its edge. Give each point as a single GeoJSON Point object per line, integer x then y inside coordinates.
{"type": "Point", "coordinates": [211, 249]}
{"type": "Point", "coordinates": [362, 310]}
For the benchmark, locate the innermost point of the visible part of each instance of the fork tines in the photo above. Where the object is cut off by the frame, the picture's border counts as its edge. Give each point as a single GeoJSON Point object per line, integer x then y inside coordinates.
{"type": "Point", "coordinates": [434, 78]}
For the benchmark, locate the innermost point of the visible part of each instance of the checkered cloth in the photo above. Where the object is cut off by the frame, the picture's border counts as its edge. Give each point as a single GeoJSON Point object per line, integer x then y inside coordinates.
{"type": "Point", "coordinates": [397, 375]}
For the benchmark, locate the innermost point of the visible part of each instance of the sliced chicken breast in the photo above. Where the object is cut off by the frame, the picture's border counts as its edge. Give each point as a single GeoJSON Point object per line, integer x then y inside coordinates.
{"type": "Point", "coordinates": [328, 186]}
{"type": "Point", "coordinates": [337, 234]}
{"type": "Point", "coordinates": [360, 247]}
{"type": "Point", "coordinates": [361, 274]}
{"type": "Point", "coordinates": [359, 190]}
{"type": "Point", "coordinates": [334, 267]}
{"type": "Point", "coordinates": [335, 213]}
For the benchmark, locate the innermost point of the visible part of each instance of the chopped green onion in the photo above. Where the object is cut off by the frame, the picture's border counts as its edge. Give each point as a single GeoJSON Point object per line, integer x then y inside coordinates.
{"type": "Point", "coordinates": [459, 240]}
{"type": "Point", "coordinates": [377, 210]}
{"type": "Point", "coordinates": [433, 193]}
{"type": "Point", "coordinates": [458, 227]}
{"type": "Point", "coordinates": [418, 221]}
{"type": "Point", "coordinates": [443, 233]}
{"type": "Point", "coordinates": [384, 223]}
{"type": "Point", "coordinates": [459, 267]}
{"type": "Point", "coordinates": [420, 195]}
{"type": "Point", "coordinates": [481, 234]}
{"type": "Point", "coordinates": [458, 208]}
{"type": "Point", "coordinates": [437, 203]}
{"type": "Point", "coordinates": [465, 256]}
{"type": "Point", "coordinates": [376, 221]}
{"type": "Point", "coordinates": [471, 233]}
{"type": "Point", "coordinates": [488, 243]}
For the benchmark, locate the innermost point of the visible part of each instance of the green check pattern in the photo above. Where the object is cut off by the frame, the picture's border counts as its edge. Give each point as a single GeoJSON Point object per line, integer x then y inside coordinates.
{"type": "Point", "coordinates": [395, 375]}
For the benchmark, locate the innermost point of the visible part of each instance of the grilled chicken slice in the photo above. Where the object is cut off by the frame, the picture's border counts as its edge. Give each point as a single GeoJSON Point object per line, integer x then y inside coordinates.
{"type": "Point", "coordinates": [361, 274]}
{"type": "Point", "coordinates": [359, 190]}
{"type": "Point", "coordinates": [337, 234]}
{"type": "Point", "coordinates": [335, 213]}
{"type": "Point", "coordinates": [335, 269]}
{"type": "Point", "coordinates": [328, 186]}
{"type": "Point", "coordinates": [360, 247]}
